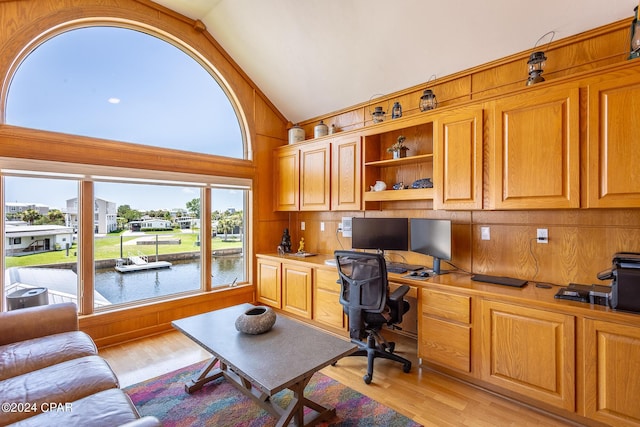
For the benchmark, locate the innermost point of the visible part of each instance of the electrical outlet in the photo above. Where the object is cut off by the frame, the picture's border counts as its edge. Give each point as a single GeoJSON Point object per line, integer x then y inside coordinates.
{"type": "Point", "coordinates": [542, 235]}
{"type": "Point", "coordinates": [322, 226]}
{"type": "Point", "coordinates": [485, 233]}
{"type": "Point", "coordinates": [346, 226]}
{"type": "Point", "coordinates": [302, 225]}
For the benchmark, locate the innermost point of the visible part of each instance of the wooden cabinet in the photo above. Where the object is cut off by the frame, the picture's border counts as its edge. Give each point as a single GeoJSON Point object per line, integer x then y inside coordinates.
{"type": "Point", "coordinates": [315, 177]}
{"type": "Point", "coordinates": [529, 351]}
{"type": "Point", "coordinates": [611, 361]}
{"type": "Point", "coordinates": [296, 290]}
{"type": "Point", "coordinates": [444, 330]}
{"type": "Point", "coordinates": [302, 177]}
{"type": "Point", "coordinates": [327, 309]}
{"type": "Point", "coordinates": [287, 178]}
{"type": "Point", "coordinates": [458, 158]}
{"type": "Point", "coordinates": [268, 286]}
{"type": "Point", "coordinates": [379, 164]}
{"type": "Point", "coordinates": [535, 158]}
{"type": "Point", "coordinates": [613, 179]}
{"type": "Point", "coordinates": [346, 174]}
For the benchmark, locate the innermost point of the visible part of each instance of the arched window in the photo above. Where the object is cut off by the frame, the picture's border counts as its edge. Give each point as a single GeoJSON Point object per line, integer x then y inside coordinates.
{"type": "Point", "coordinates": [151, 96]}
{"type": "Point", "coordinates": [124, 85]}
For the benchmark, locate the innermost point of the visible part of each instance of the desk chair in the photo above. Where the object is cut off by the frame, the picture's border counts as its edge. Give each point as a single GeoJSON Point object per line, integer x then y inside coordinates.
{"type": "Point", "coordinates": [365, 298]}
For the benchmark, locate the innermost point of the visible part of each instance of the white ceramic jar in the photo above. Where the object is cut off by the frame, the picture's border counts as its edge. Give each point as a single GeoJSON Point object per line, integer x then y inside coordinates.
{"type": "Point", "coordinates": [320, 130]}
{"type": "Point", "coordinates": [296, 134]}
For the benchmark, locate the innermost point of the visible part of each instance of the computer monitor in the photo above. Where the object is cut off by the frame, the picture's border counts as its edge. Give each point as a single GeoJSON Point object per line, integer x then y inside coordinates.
{"type": "Point", "coordinates": [432, 237]}
{"type": "Point", "coordinates": [380, 234]}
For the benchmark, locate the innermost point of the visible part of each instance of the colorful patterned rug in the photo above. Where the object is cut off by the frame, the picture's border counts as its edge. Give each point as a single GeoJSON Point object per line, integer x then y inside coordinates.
{"type": "Point", "coordinates": [220, 404]}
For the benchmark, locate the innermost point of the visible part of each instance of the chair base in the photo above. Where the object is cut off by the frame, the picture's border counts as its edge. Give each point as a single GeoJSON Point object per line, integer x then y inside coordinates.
{"type": "Point", "coordinates": [377, 347]}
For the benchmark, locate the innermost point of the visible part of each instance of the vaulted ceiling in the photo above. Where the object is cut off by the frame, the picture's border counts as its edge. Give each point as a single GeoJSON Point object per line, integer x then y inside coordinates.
{"type": "Point", "coordinates": [313, 57]}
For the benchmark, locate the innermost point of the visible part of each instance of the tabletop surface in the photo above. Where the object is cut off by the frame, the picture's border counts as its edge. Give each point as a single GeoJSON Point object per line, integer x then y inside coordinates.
{"type": "Point", "coordinates": [272, 361]}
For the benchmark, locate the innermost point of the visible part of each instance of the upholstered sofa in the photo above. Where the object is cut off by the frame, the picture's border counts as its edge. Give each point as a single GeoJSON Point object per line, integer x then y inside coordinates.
{"type": "Point", "coordinates": [51, 374]}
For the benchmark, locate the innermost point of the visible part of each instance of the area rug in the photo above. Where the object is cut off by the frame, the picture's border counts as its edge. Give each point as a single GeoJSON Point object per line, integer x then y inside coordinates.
{"type": "Point", "coordinates": [220, 404]}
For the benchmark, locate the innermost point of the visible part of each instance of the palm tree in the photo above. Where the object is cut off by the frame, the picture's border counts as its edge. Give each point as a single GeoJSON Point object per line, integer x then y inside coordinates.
{"type": "Point", "coordinates": [31, 215]}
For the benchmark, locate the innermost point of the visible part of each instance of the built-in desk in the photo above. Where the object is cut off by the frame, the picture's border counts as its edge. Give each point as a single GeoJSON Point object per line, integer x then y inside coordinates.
{"type": "Point", "coordinates": [570, 358]}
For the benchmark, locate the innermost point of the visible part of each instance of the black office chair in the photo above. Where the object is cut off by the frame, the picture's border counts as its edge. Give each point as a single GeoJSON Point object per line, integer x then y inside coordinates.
{"type": "Point", "coordinates": [364, 297]}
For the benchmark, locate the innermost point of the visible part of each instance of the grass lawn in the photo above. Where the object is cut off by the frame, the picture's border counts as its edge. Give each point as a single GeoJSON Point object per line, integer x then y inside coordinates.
{"type": "Point", "coordinates": [108, 247]}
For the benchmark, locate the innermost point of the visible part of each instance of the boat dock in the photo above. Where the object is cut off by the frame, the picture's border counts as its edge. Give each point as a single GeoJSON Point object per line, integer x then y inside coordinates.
{"type": "Point", "coordinates": [139, 263]}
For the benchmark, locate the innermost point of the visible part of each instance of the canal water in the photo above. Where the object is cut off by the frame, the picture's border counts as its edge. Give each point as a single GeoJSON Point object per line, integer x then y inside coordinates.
{"type": "Point", "coordinates": [182, 276]}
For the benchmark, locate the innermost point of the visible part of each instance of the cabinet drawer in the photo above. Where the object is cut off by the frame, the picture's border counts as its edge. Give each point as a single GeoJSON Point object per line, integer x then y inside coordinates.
{"type": "Point", "coordinates": [327, 280]}
{"type": "Point", "coordinates": [446, 306]}
{"type": "Point", "coordinates": [445, 343]}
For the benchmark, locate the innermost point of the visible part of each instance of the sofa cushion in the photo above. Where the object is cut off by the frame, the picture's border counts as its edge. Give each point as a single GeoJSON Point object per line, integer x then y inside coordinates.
{"type": "Point", "coordinates": [25, 356]}
{"type": "Point", "coordinates": [62, 383]}
{"type": "Point", "coordinates": [106, 408]}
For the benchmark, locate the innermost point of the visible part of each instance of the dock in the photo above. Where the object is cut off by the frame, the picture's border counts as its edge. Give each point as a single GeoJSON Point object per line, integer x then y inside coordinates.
{"type": "Point", "coordinates": [139, 263]}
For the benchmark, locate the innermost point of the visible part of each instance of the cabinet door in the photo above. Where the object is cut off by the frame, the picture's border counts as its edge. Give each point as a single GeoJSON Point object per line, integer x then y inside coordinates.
{"type": "Point", "coordinates": [346, 174]}
{"type": "Point", "coordinates": [326, 300]}
{"type": "Point", "coordinates": [269, 284]}
{"type": "Point", "coordinates": [445, 330]}
{"type": "Point", "coordinates": [296, 290]}
{"type": "Point", "coordinates": [535, 151]}
{"type": "Point", "coordinates": [611, 386]}
{"type": "Point", "coordinates": [614, 158]}
{"type": "Point", "coordinates": [529, 351]}
{"type": "Point", "coordinates": [287, 179]}
{"type": "Point", "coordinates": [315, 178]}
{"type": "Point", "coordinates": [458, 160]}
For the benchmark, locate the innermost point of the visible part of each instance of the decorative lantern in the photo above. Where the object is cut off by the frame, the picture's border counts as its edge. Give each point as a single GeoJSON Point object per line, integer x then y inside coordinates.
{"type": "Point", "coordinates": [396, 110]}
{"type": "Point", "coordinates": [378, 115]}
{"type": "Point", "coordinates": [536, 64]}
{"type": "Point", "coordinates": [537, 61]}
{"type": "Point", "coordinates": [428, 100]}
{"type": "Point", "coordinates": [634, 48]}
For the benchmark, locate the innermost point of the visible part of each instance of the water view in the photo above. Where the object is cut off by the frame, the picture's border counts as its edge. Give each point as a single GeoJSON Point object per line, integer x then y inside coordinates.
{"type": "Point", "coordinates": [181, 277]}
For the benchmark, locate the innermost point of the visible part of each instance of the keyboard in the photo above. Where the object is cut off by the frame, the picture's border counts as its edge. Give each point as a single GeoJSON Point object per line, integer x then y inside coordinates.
{"type": "Point", "coordinates": [499, 280]}
{"type": "Point", "coordinates": [396, 268]}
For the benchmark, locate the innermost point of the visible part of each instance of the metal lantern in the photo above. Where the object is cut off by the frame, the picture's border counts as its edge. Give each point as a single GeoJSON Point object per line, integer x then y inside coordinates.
{"type": "Point", "coordinates": [536, 64]}
{"type": "Point", "coordinates": [634, 46]}
{"type": "Point", "coordinates": [378, 115]}
{"type": "Point", "coordinates": [396, 111]}
{"type": "Point", "coordinates": [428, 100]}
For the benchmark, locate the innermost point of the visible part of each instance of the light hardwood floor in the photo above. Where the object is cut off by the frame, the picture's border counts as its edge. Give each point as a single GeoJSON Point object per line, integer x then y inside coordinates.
{"type": "Point", "coordinates": [425, 396]}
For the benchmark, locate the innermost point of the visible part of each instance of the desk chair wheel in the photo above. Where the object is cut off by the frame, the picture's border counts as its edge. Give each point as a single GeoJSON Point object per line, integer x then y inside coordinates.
{"type": "Point", "coordinates": [367, 379]}
{"type": "Point", "coordinates": [406, 368]}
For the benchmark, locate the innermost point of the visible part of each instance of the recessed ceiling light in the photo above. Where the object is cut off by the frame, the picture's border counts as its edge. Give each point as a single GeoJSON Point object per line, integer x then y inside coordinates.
{"type": "Point", "coordinates": [114, 100]}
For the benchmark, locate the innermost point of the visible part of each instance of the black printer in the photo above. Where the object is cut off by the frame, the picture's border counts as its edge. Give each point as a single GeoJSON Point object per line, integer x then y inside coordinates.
{"type": "Point", "coordinates": [625, 288]}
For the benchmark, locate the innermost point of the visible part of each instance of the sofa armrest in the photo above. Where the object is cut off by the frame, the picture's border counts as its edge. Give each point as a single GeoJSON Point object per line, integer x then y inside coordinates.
{"type": "Point", "coordinates": [147, 421]}
{"type": "Point", "coordinates": [36, 322]}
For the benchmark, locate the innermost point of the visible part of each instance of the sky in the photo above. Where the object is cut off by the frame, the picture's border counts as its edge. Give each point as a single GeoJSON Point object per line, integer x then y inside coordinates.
{"type": "Point", "coordinates": [124, 85]}
{"type": "Point", "coordinates": [55, 192]}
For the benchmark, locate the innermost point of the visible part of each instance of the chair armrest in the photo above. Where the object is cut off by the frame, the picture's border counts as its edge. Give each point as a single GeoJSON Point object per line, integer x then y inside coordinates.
{"type": "Point", "coordinates": [399, 293]}
{"type": "Point", "coordinates": [36, 322]}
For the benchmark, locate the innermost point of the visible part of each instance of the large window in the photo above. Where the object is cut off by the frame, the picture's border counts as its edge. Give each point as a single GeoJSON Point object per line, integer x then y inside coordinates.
{"type": "Point", "coordinates": [124, 85]}
{"type": "Point", "coordinates": [151, 234]}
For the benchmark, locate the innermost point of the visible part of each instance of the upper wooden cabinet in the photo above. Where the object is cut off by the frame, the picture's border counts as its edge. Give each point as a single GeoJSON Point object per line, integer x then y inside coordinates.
{"type": "Point", "coordinates": [287, 178]}
{"type": "Point", "coordinates": [535, 158]}
{"type": "Point", "coordinates": [457, 163]}
{"type": "Point", "coordinates": [346, 174]}
{"type": "Point", "coordinates": [315, 177]}
{"type": "Point", "coordinates": [302, 177]}
{"type": "Point", "coordinates": [613, 173]}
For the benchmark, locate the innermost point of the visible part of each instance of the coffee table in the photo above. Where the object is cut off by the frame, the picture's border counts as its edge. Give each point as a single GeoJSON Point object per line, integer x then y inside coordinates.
{"type": "Point", "coordinates": [286, 357]}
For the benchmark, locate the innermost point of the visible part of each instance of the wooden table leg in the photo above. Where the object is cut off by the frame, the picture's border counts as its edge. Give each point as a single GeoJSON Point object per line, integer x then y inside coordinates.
{"type": "Point", "coordinates": [204, 377]}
